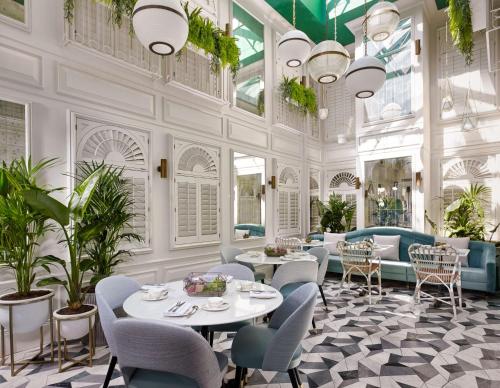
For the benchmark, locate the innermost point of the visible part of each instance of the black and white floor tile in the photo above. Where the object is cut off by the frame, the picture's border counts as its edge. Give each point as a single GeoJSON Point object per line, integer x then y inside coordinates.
{"type": "Point", "coordinates": [391, 343]}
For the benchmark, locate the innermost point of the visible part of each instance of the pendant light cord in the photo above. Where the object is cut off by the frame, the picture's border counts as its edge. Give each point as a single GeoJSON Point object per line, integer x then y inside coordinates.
{"type": "Point", "coordinates": [365, 31]}
{"type": "Point", "coordinates": [293, 13]}
{"type": "Point", "coordinates": [335, 18]}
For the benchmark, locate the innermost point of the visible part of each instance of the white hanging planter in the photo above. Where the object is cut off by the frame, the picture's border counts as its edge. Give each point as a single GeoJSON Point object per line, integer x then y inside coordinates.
{"type": "Point", "coordinates": [75, 326]}
{"type": "Point", "coordinates": [28, 315]}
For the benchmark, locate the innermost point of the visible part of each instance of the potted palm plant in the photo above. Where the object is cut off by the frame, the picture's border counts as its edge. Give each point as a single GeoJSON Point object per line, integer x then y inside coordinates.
{"type": "Point", "coordinates": [73, 319]}
{"type": "Point", "coordinates": [21, 228]}
{"type": "Point", "coordinates": [336, 214]}
{"type": "Point", "coordinates": [112, 206]}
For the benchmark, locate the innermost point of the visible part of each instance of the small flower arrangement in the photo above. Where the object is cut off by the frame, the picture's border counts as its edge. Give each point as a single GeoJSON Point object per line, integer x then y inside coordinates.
{"type": "Point", "coordinates": [205, 284]}
{"type": "Point", "coordinates": [272, 251]}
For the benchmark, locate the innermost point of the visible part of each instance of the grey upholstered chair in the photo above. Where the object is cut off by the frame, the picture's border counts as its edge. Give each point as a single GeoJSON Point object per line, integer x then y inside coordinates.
{"type": "Point", "coordinates": [110, 294]}
{"type": "Point", "coordinates": [236, 270]}
{"type": "Point", "coordinates": [155, 354]}
{"type": "Point", "coordinates": [228, 255]}
{"type": "Point", "coordinates": [290, 276]}
{"type": "Point", "coordinates": [277, 346]}
{"type": "Point", "coordinates": [239, 272]}
{"type": "Point", "coordinates": [322, 256]}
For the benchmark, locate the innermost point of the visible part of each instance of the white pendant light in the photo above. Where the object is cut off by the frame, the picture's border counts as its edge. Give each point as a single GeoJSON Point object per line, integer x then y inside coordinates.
{"type": "Point", "coordinates": [160, 25]}
{"type": "Point", "coordinates": [329, 60]}
{"type": "Point", "coordinates": [382, 21]}
{"type": "Point", "coordinates": [294, 46]}
{"type": "Point", "coordinates": [366, 75]}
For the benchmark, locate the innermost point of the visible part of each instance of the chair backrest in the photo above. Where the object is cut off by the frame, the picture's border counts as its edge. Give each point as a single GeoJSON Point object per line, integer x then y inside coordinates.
{"type": "Point", "coordinates": [435, 265]}
{"type": "Point", "coordinates": [237, 271]}
{"type": "Point", "coordinates": [355, 254]}
{"type": "Point", "coordinates": [322, 255]}
{"type": "Point", "coordinates": [110, 294]}
{"type": "Point", "coordinates": [291, 319]}
{"type": "Point", "coordinates": [163, 347]}
{"type": "Point", "coordinates": [294, 272]}
{"type": "Point", "coordinates": [228, 254]}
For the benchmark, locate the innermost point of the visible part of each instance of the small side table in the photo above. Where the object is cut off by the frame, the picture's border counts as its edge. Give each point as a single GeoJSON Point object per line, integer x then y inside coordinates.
{"type": "Point", "coordinates": [62, 351]}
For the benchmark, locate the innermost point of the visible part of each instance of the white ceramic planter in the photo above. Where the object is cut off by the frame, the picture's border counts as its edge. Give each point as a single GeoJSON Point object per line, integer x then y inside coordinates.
{"type": "Point", "coordinates": [28, 315]}
{"type": "Point", "coordinates": [75, 326]}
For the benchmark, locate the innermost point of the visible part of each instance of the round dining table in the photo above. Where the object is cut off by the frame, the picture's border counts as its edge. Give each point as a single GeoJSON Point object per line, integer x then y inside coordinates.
{"type": "Point", "coordinates": [261, 258]}
{"type": "Point", "coordinates": [241, 306]}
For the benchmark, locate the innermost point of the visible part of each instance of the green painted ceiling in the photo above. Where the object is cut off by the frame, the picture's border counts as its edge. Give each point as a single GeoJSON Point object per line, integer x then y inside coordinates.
{"type": "Point", "coordinates": [311, 16]}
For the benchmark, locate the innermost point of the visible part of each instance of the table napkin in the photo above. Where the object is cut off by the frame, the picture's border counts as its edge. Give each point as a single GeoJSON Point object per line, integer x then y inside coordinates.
{"type": "Point", "coordinates": [181, 311]}
{"type": "Point", "coordinates": [262, 294]}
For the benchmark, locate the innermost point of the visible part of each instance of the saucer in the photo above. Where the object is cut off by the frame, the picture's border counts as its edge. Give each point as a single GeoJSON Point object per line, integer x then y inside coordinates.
{"type": "Point", "coordinates": [147, 298]}
{"type": "Point", "coordinates": [222, 307]}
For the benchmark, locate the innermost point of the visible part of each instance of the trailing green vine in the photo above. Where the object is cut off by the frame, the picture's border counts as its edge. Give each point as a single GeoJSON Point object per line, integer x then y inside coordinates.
{"type": "Point", "coordinates": [297, 94]}
{"type": "Point", "coordinates": [203, 33]}
{"type": "Point", "coordinates": [460, 22]}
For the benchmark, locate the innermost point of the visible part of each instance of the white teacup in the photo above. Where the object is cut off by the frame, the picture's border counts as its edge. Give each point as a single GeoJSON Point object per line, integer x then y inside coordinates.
{"type": "Point", "coordinates": [246, 285]}
{"type": "Point", "coordinates": [215, 302]}
{"type": "Point", "coordinates": [155, 293]}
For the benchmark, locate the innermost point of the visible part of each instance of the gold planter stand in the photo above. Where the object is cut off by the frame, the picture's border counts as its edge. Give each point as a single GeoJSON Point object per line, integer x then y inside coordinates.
{"type": "Point", "coordinates": [62, 350]}
{"type": "Point", "coordinates": [34, 360]}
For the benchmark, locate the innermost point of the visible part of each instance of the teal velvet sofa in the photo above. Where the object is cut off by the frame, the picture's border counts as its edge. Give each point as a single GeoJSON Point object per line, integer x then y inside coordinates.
{"type": "Point", "coordinates": [479, 275]}
{"type": "Point", "coordinates": [256, 230]}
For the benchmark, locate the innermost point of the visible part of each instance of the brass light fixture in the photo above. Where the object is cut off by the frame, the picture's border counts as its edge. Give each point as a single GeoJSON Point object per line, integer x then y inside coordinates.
{"type": "Point", "coordinates": [272, 182]}
{"type": "Point", "coordinates": [418, 178]}
{"type": "Point", "coordinates": [357, 183]}
{"type": "Point", "coordinates": [163, 168]}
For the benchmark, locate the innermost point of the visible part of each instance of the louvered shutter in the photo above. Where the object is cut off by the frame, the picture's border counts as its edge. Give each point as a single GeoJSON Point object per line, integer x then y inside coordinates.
{"type": "Point", "coordinates": [123, 147]}
{"type": "Point", "coordinates": [12, 131]}
{"type": "Point", "coordinates": [283, 210]}
{"type": "Point", "coordinates": [209, 209]}
{"type": "Point", "coordinates": [294, 210]}
{"type": "Point", "coordinates": [187, 199]}
{"type": "Point", "coordinates": [288, 200]}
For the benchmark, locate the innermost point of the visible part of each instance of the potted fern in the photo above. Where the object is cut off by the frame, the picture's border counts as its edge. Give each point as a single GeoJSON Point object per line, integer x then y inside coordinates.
{"type": "Point", "coordinates": [21, 229]}
{"type": "Point", "coordinates": [74, 317]}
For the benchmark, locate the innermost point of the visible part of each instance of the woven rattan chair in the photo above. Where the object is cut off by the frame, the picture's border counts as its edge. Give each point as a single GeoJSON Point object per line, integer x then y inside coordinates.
{"type": "Point", "coordinates": [357, 258]}
{"type": "Point", "coordinates": [289, 243]}
{"type": "Point", "coordinates": [438, 266]}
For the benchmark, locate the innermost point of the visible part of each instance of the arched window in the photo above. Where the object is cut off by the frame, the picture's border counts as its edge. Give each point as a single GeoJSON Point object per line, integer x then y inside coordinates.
{"type": "Point", "coordinates": [288, 200]}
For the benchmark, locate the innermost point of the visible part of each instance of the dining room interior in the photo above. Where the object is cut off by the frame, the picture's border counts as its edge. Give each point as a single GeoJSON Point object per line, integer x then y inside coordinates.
{"type": "Point", "coordinates": [260, 193]}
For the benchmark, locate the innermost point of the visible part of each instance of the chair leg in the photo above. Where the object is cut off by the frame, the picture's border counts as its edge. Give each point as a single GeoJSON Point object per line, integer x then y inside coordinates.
{"type": "Point", "coordinates": [459, 289]}
{"type": "Point", "coordinates": [293, 378]}
{"type": "Point", "coordinates": [111, 368]}
{"type": "Point", "coordinates": [453, 302]}
{"type": "Point", "coordinates": [298, 376]}
{"type": "Point", "coordinates": [238, 377]}
{"type": "Point", "coordinates": [369, 281]}
{"type": "Point", "coordinates": [379, 274]}
{"type": "Point", "coordinates": [313, 323]}
{"type": "Point", "coordinates": [322, 295]}
{"type": "Point", "coordinates": [211, 338]}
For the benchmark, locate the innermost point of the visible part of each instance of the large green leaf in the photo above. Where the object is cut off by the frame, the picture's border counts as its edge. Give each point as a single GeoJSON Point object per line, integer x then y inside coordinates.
{"type": "Point", "coordinates": [82, 194]}
{"type": "Point", "coordinates": [47, 206]}
{"type": "Point", "coordinates": [51, 282]}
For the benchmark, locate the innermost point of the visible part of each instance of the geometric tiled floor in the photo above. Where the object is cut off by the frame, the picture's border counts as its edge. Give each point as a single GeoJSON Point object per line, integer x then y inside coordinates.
{"type": "Point", "coordinates": [388, 344]}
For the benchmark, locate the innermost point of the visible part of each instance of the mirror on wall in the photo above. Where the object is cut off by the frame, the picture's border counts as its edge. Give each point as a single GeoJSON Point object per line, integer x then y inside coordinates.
{"type": "Point", "coordinates": [249, 82]}
{"type": "Point", "coordinates": [388, 195]}
{"type": "Point", "coordinates": [13, 139]}
{"type": "Point", "coordinates": [249, 208]}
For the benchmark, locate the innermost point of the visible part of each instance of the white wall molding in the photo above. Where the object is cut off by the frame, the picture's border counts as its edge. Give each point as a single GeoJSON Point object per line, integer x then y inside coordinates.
{"type": "Point", "coordinates": [17, 65]}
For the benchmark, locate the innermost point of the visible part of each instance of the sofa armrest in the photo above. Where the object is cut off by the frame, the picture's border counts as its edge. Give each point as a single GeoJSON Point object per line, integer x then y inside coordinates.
{"type": "Point", "coordinates": [488, 261]}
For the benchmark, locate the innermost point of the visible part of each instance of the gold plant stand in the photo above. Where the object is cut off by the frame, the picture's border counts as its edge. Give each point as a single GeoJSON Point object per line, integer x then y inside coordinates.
{"type": "Point", "coordinates": [35, 359]}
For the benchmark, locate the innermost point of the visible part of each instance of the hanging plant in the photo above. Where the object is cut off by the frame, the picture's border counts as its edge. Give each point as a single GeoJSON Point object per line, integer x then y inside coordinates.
{"type": "Point", "coordinates": [203, 33]}
{"type": "Point", "coordinates": [460, 22]}
{"type": "Point", "coordinates": [302, 97]}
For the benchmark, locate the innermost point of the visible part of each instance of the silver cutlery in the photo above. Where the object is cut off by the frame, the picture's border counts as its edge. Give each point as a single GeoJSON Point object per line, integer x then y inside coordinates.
{"type": "Point", "coordinates": [172, 309]}
{"type": "Point", "coordinates": [178, 306]}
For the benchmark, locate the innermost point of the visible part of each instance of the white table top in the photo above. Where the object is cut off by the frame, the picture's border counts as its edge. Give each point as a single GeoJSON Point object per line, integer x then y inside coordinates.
{"type": "Point", "coordinates": [242, 306]}
{"type": "Point", "coordinates": [262, 258]}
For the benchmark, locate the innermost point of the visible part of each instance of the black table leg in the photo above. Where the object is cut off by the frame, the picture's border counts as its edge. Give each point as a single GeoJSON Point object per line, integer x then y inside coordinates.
{"type": "Point", "coordinates": [204, 332]}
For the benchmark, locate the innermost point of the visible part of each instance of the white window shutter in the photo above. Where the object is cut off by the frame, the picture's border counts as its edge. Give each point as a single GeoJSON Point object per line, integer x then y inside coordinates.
{"type": "Point", "coordinates": [12, 131]}
{"type": "Point", "coordinates": [209, 209]}
{"type": "Point", "coordinates": [289, 200]}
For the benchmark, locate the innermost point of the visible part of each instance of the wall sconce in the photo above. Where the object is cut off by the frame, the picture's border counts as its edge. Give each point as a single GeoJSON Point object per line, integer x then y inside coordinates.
{"type": "Point", "coordinates": [272, 182]}
{"type": "Point", "coordinates": [357, 183]}
{"type": "Point", "coordinates": [418, 178]}
{"type": "Point", "coordinates": [163, 168]}
{"type": "Point", "coordinates": [418, 47]}
{"type": "Point", "coordinates": [263, 189]}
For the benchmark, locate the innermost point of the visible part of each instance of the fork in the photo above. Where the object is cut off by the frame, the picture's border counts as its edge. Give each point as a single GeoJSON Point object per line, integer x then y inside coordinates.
{"type": "Point", "coordinates": [175, 306]}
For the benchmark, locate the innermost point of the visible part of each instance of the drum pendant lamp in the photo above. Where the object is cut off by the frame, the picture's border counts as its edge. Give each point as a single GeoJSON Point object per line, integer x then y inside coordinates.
{"type": "Point", "coordinates": [294, 46]}
{"type": "Point", "coordinates": [160, 25]}
{"type": "Point", "coordinates": [367, 74]}
{"type": "Point", "coordinates": [329, 59]}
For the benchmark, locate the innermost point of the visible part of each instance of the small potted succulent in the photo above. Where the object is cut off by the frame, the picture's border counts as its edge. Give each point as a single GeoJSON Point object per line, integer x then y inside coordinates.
{"type": "Point", "coordinates": [73, 319]}
{"type": "Point", "coordinates": [21, 229]}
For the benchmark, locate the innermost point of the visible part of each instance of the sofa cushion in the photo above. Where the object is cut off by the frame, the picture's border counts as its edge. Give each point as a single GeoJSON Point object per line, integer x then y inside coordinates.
{"type": "Point", "coordinates": [331, 240]}
{"type": "Point", "coordinates": [457, 243]}
{"type": "Point", "coordinates": [389, 253]}
{"type": "Point", "coordinates": [477, 275]}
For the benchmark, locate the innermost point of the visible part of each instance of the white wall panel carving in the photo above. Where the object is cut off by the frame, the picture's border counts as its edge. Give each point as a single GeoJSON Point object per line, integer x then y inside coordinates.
{"type": "Point", "coordinates": [93, 88]}
{"type": "Point", "coordinates": [20, 66]}
{"type": "Point", "coordinates": [247, 135]}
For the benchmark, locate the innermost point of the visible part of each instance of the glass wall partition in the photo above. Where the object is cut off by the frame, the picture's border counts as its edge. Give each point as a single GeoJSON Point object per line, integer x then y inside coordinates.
{"type": "Point", "coordinates": [249, 82]}
{"type": "Point", "coordinates": [388, 195]}
{"type": "Point", "coordinates": [249, 207]}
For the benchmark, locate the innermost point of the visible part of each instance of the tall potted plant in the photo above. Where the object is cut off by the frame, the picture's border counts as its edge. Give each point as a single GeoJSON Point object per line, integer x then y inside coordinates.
{"type": "Point", "coordinates": [73, 317]}
{"type": "Point", "coordinates": [21, 229]}
{"type": "Point", "coordinates": [336, 214]}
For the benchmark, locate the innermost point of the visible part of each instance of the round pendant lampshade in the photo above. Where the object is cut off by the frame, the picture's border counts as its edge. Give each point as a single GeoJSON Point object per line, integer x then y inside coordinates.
{"type": "Point", "coordinates": [328, 61]}
{"type": "Point", "coordinates": [160, 25]}
{"type": "Point", "coordinates": [365, 76]}
{"type": "Point", "coordinates": [382, 21]}
{"type": "Point", "coordinates": [294, 48]}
